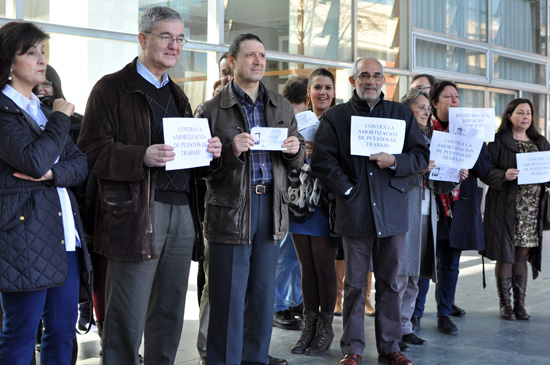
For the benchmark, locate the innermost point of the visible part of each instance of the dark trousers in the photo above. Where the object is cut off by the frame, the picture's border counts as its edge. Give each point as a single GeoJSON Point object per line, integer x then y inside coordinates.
{"type": "Point", "coordinates": [423, 288]}
{"type": "Point", "coordinates": [58, 308]}
{"type": "Point", "coordinates": [386, 255]}
{"type": "Point", "coordinates": [448, 261]}
{"type": "Point", "coordinates": [241, 281]}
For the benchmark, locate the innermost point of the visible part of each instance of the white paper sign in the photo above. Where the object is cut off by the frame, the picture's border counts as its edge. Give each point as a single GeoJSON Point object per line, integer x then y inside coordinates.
{"type": "Point", "coordinates": [189, 137]}
{"type": "Point", "coordinates": [308, 123]}
{"type": "Point", "coordinates": [473, 122]}
{"type": "Point", "coordinates": [451, 153]}
{"type": "Point", "coordinates": [269, 139]}
{"type": "Point", "coordinates": [375, 135]}
{"type": "Point", "coordinates": [534, 167]}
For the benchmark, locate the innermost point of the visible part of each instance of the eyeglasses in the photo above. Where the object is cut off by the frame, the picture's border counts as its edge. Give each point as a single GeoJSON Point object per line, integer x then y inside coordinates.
{"type": "Point", "coordinates": [47, 83]}
{"type": "Point", "coordinates": [425, 108]}
{"type": "Point", "coordinates": [422, 87]}
{"type": "Point", "coordinates": [166, 39]}
{"type": "Point", "coordinates": [366, 76]}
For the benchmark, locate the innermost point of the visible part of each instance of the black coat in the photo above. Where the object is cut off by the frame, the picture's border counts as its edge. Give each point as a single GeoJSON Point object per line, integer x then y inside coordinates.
{"type": "Point", "coordinates": [377, 205]}
{"type": "Point", "coordinates": [500, 203]}
{"type": "Point", "coordinates": [32, 250]}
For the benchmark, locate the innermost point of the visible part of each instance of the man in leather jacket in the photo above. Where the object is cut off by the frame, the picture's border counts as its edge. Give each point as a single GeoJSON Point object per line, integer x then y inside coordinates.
{"type": "Point", "coordinates": [371, 208]}
{"type": "Point", "coordinates": [246, 211]}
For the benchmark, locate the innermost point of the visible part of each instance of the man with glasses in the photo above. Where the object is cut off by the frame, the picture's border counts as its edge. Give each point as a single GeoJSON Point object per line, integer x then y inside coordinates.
{"type": "Point", "coordinates": [379, 182]}
{"type": "Point", "coordinates": [146, 218]}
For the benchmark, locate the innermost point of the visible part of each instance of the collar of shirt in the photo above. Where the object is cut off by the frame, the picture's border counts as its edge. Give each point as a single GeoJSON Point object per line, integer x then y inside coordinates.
{"type": "Point", "coordinates": [31, 106]}
{"type": "Point", "coordinates": [245, 97]}
{"type": "Point", "coordinates": [147, 75]}
{"type": "Point", "coordinates": [372, 107]}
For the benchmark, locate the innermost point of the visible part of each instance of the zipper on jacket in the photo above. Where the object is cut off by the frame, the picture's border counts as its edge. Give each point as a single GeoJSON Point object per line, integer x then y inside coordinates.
{"type": "Point", "coordinates": [150, 223]}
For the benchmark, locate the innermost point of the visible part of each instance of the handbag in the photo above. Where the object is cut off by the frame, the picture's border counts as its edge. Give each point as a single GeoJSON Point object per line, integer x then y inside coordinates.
{"type": "Point", "coordinates": [545, 209]}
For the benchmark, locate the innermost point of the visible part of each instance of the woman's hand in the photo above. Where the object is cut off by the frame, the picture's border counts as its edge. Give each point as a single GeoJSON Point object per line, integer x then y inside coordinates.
{"type": "Point", "coordinates": [20, 175]}
{"type": "Point", "coordinates": [430, 167]}
{"type": "Point", "coordinates": [309, 148]}
{"type": "Point", "coordinates": [63, 106]}
{"type": "Point", "coordinates": [511, 174]}
{"type": "Point", "coordinates": [464, 174]}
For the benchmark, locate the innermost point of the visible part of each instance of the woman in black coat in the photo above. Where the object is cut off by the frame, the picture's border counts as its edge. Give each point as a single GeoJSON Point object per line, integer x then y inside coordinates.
{"type": "Point", "coordinates": [512, 222]}
{"type": "Point", "coordinates": [40, 229]}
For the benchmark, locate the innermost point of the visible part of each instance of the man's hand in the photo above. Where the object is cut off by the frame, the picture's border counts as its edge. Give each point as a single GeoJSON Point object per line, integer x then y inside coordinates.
{"type": "Point", "coordinates": [292, 145]}
{"type": "Point", "coordinates": [215, 146]}
{"type": "Point", "coordinates": [242, 143]}
{"type": "Point", "coordinates": [464, 174]}
{"type": "Point", "coordinates": [430, 167]}
{"type": "Point", "coordinates": [20, 175]}
{"type": "Point", "coordinates": [158, 155]}
{"type": "Point", "coordinates": [383, 159]}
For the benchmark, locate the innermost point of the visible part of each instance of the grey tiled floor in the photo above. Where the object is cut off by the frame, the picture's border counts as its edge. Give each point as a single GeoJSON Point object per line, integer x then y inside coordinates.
{"type": "Point", "coordinates": [483, 337]}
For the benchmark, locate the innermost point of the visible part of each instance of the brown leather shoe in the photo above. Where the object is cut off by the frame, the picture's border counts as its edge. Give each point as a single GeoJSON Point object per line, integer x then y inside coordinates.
{"type": "Point", "coordinates": [395, 358]}
{"type": "Point", "coordinates": [350, 359]}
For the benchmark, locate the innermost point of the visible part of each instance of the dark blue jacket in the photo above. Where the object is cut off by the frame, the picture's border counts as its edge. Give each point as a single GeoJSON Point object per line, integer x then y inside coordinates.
{"type": "Point", "coordinates": [32, 250]}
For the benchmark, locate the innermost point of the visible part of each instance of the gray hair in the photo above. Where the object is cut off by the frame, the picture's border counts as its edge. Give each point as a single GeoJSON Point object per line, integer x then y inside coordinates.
{"type": "Point", "coordinates": [412, 95]}
{"type": "Point", "coordinates": [356, 63]}
{"type": "Point", "coordinates": [148, 20]}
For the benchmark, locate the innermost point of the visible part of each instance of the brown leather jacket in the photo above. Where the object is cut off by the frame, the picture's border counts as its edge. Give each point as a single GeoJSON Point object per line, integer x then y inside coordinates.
{"type": "Point", "coordinates": [227, 202]}
{"type": "Point", "coordinates": [116, 131]}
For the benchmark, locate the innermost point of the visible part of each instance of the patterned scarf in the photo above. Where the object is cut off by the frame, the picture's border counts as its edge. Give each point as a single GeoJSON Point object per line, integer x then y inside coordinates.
{"type": "Point", "coordinates": [453, 195]}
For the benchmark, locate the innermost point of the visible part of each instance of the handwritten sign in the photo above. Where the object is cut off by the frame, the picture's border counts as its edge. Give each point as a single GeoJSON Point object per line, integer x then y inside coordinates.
{"type": "Point", "coordinates": [452, 152]}
{"type": "Point", "coordinates": [189, 137]}
{"type": "Point", "coordinates": [269, 139]}
{"type": "Point", "coordinates": [473, 122]}
{"type": "Point", "coordinates": [375, 135]}
{"type": "Point", "coordinates": [534, 167]}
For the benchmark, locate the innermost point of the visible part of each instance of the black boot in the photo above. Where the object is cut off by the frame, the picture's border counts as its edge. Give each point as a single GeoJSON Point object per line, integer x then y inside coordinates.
{"type": "Point", "coordinates": [504, 287]}
{"type": "Point", "coordinates": [308, 332]}
{"type": "Point", "coordinates": [520, 288]}
{"type": "Point", "coordinates": [323, 337]}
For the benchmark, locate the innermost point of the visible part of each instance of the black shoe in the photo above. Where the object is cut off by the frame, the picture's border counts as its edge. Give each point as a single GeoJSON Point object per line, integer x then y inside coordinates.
{"type": "Point", "coordinates": [297, 311]}
{"type": "Point", "coordinates": [456, 311]}
{"type": "Point", "coordinates": [413, 339]}
{"type": "Point", "coordinates": [446, 325]}
{"type": "Point", "coordinates": [415, 320]}
{"type": "Point", "coordinates": [285, 320]}
{"type": "Point", "coordinates": [275, 361]}
{"type": "Point", "coordinates": [403, 347]}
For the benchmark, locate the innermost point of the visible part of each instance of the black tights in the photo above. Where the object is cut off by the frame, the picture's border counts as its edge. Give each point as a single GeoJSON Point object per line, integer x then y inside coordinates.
{"type": "Point", "coordinates": [316, 257]}
{"type": "Point", "coordinates": [519, 267]}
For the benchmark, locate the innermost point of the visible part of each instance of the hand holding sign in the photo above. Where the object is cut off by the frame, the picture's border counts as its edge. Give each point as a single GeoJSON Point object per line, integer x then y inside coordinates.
{"type": "Point", "coordinates": [451, 153]}
{"type": "Point", "coordinates": [374, 135]}
{"type": "Point", "coordinates": [191, 141]}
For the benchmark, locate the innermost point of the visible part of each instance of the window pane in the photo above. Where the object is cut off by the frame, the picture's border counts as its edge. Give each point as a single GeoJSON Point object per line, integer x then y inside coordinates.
{"type": "Point", "coordinates": [471, 98]}
{"type": "Point", "coordinates": [506, 68]}
{"type": "Point", "coordinates": [461, 18]}
{"type": "Point", "coordinates": [499, 101]}
{"type": "Point", "coordinates": [382, 29]}
{"type": "Point", "coordinates": [306, 27]}
{"type": "Point", "coordinates": [449, 58]}
{"type": "Point", "coordinates": [119, 16]}
{"type": "Point", "coordinates": [511, 16]}
{"type": "Point", "coordinates": [539, 103]}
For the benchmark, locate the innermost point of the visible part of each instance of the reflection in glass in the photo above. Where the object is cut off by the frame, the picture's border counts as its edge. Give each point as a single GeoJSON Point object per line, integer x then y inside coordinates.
{"type": "Point", "coordinates": [320, 29]}
{"type": "Point", "coordinates": [540, 105]}
{"type": "Point", "coordinates": [382, 28]}
{"type": "Point", "coordinates": [506, 68]}
{"type": "Point", "coordinates": [449, 58]}
{"type": "Point", "coordinates": [461, 18]}
{"type": "Point", "coordinates": [511, 16]}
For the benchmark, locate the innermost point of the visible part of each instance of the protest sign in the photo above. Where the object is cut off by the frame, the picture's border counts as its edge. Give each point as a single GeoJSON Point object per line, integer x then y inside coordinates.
{"type": "Point", "coordinates": [451, 153]}
{"type": "Point", "coordinates": [268, 139]}
{"type": "Point", "coordinates": [473, 122]}
{"type": "Point", "coordinates": [189, 137]}
{"type": "Point", "coordinates": [374, 135]}
{"type": "Point", "coordinates": [307, 124]}
{"type": "Point", "coordinates": [534, 167]}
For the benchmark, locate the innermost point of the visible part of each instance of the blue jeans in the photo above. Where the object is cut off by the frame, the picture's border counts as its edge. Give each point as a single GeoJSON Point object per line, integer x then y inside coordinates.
{"type": "Point", "coordinates": [58, 308]}
{"type": "Point", "coordinates": [241, 281]}
{"type": "Point", "coordinates": [288, 290]}
{"type": "Point", "coordinates": [423, 288]}
{"type": "Point", "coordinates": [448, 261]}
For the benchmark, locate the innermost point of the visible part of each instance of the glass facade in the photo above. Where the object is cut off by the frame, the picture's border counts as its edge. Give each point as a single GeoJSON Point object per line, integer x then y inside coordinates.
{"type": "Point", "coordinates": [495, 50]}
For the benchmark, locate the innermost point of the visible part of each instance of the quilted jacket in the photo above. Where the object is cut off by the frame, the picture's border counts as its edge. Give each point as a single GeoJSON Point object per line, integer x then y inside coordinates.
{"type": "Point", "coordinates": [32, 251]}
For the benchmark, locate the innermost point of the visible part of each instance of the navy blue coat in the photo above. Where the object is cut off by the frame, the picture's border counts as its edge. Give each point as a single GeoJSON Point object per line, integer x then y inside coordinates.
{"type": "Point", "coordinates": [32, 250]}
{"type": "Point", "coordinates": [465, 229]}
